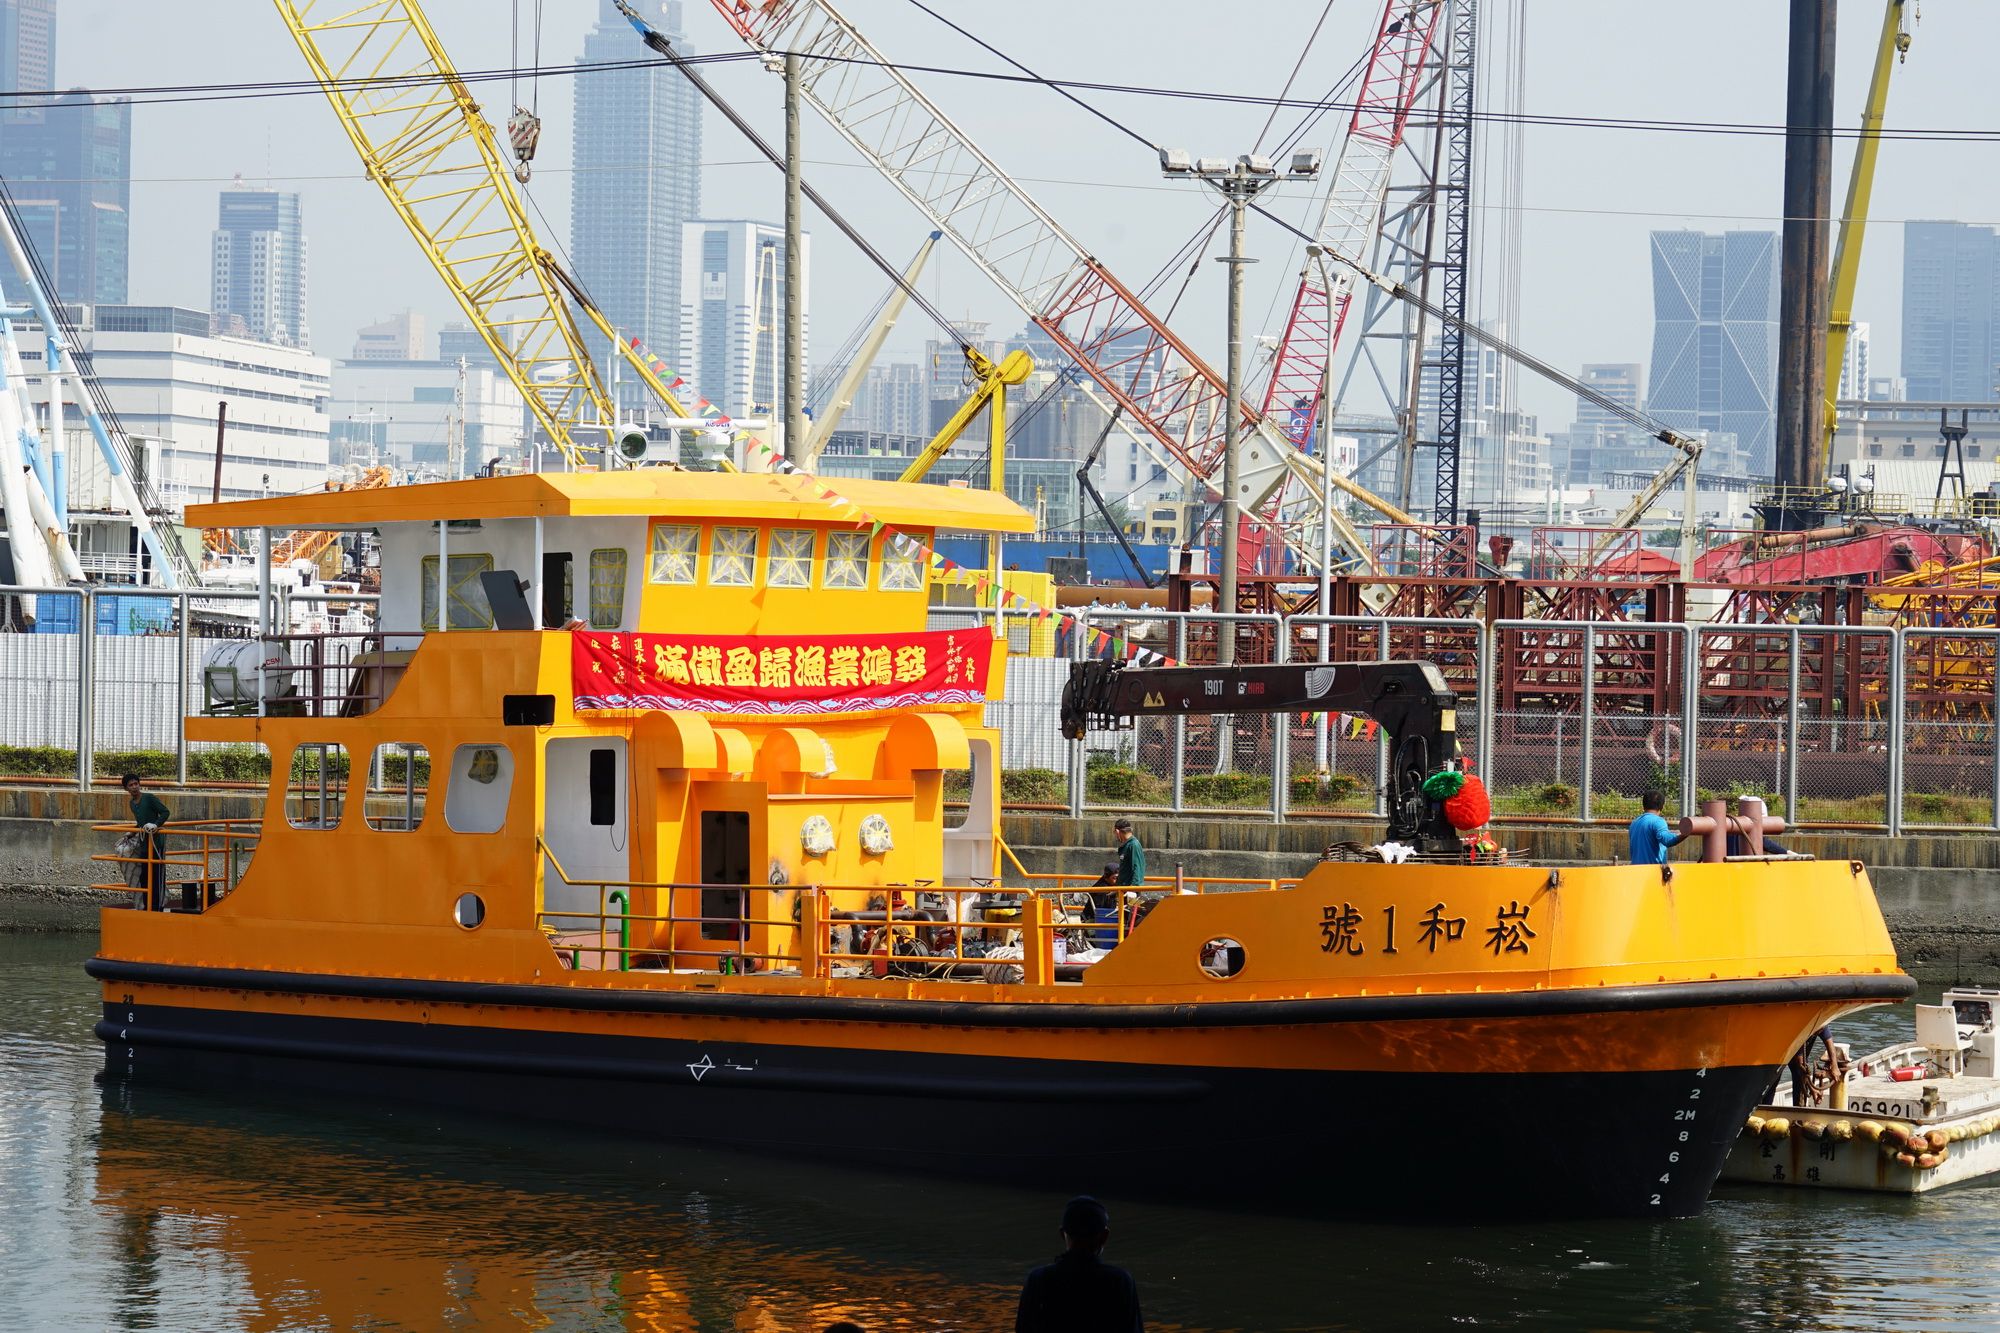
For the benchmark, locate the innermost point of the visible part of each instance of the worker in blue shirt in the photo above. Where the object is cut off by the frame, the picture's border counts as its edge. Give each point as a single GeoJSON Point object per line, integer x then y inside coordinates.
{"type": "Point", "coordinates": [1650, 836]}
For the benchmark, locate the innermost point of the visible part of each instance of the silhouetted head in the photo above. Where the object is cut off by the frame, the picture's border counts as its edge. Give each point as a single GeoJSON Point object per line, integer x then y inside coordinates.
{"type": "Point", "coordinates": [845, 1326]}
{"type": "Point", "coordinates": [1652, 800]}
{"type": "Point", "coordinates": [1086, 1224]}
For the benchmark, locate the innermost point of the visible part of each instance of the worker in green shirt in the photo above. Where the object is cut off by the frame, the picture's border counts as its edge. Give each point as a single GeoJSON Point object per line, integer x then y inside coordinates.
{"type": "Point", "coordinates": [150, 813]}
{"type": "Point", "coordinates": [1131, 856]}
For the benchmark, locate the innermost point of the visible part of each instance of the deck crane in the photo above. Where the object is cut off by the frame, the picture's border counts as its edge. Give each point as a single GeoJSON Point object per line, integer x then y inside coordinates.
{"type": "Point", "coordinates": [1898, 20]}
{"type": "Point", "coordinates": [426, 144]}
{"type": "Point", "coordinates": [1127, 349]}
{"type": "Point", "coordinates": [1349, 219]}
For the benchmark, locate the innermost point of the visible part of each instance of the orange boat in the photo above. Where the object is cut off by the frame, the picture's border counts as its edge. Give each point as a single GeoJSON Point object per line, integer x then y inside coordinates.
{"type": "Point", "coordinates": [634, 814]}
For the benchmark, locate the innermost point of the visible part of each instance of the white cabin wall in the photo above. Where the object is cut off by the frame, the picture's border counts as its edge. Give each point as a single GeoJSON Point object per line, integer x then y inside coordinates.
{"type": "Point", "coordinates": [511, 543]}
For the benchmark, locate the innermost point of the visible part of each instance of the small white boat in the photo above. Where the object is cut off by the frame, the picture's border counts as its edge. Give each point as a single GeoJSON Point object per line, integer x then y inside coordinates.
{"type": "Point", "coordinates": [1904, 1120]}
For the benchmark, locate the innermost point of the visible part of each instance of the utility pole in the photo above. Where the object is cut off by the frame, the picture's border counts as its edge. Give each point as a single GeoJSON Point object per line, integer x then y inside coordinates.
{"type": "Point", "coordinates": [794, 389]}
{"type": "Point", "coordinates": [221, 423]}
{"type": "Point", "coordinates": [1239, 183]}
{"type": "Point", "coordinates": [1802, 286]}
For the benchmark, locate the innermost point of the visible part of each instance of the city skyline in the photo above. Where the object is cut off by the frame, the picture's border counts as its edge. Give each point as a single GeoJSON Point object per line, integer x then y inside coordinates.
{"type": "Point", "coordinates": [1090, 201]}
{"type": "Point", "coordinates": [635, 185]}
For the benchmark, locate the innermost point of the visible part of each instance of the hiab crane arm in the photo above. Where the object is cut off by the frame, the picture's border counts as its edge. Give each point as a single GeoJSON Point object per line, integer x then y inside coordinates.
{"type": "Point", "coordinates": [1410, 700]}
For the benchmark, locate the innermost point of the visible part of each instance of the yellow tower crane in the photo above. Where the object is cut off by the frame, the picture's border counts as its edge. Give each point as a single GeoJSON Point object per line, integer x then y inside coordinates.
{"type": "Point", "coordinates": [423, 139]}
{"type": "Point", "coordinates": [1897, 21]}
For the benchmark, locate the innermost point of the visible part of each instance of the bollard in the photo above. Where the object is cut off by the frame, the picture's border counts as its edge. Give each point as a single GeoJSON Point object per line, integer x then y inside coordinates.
{"type": "Point", "coordinates": [1714, 825]}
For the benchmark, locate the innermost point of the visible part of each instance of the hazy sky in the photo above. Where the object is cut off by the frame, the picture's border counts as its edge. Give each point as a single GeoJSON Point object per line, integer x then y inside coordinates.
{"type": "Point", "coordinates": [1588, 195]}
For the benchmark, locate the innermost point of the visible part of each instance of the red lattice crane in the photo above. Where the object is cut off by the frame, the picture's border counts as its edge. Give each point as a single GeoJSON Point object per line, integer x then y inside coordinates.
{"type": "Point", "coordinates": [1128, 350]}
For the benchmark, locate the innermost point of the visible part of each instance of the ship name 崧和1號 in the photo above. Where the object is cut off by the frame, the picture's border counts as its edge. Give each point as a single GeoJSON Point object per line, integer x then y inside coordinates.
{"type": "Point", "coordinates": [1345, 929]}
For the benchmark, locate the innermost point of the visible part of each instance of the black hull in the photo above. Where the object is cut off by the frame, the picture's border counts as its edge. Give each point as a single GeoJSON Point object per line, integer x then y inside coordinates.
{"type": "Point", "coordinates": [1417, 1146]}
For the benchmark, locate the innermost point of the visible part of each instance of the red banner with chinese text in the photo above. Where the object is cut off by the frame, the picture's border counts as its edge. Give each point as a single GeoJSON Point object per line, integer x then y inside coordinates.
{"type": "Point", "coordinates": [832, 673]}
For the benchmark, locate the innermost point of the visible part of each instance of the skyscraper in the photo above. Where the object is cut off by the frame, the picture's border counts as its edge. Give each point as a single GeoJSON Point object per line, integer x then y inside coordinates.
{"type": "Point", "coordinates": [1951, 296]}
{"type": "Point", "coordinates": [27, 46]}
{"type": "Point", "coordinates": [636, 183]}
{"type": "Point", "coordinates": [1715, 336]}
{"type": "Point", "coordinates": [1855, 364]}
{"type": "Point", "coordinates": [734, 274]}
{"type": "Point", "coordinates": [259, 270]}
{"type": "Point", "coordinates": [68, 164]}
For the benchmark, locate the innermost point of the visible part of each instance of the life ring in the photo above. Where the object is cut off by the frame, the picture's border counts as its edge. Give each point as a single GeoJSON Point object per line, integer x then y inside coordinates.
{"type": "Point", "coordinates": [1659, 738]}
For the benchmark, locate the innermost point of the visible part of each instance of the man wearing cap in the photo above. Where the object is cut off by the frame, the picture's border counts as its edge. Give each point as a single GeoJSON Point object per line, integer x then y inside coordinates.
{"type": "Point", "coordinates": [1079, 1292]}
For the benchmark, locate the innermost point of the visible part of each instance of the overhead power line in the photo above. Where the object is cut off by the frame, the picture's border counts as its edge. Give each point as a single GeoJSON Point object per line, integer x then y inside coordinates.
{"type": "Point", "coordinates": [220, 92]}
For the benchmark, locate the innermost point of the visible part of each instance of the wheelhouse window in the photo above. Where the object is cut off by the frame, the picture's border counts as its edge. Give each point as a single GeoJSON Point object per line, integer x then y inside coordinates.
{"type": "Point", "coordinates": [732, 557]}
{"type": "Point", "coordinates": [847, 560]}
{"type": "Point", "coordinates": [675, 546]}
{"type": "Point", "coordinates": [476, 794]}
{"type": "Point", "coordinates": [607, 587]}
{"type": "Point", "coordinates": [902, 565]}
{"type": "Point", "coordinates": [317, 788]}
{"type": "Point", "coordinates": [466, 606]}
{"type": "Point", "coordinates": [399, 778]}
{"type": "Point", "coordinates": [791, 558]}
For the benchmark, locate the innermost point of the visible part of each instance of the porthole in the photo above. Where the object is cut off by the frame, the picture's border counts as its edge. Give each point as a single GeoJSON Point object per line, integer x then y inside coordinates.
{"type": "Point", "coordinates": [469, 911]}
{"type": "Point", "coordinates": [1222, 957]}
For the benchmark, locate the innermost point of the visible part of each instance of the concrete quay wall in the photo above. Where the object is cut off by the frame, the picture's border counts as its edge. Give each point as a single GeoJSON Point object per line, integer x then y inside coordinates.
{"type": "Point", "coordinates": [1940, 892]}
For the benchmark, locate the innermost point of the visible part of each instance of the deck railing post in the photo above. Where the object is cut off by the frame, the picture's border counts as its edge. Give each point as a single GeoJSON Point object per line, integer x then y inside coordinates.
{"type": "Point", "coordinates": [1037, 943]}
{"type": "Point", "coordinates": [812, 932]}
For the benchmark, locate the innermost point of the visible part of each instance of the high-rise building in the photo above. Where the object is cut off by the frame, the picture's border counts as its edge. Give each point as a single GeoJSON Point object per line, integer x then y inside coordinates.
{"type": "Point", "coordinates": [164, 373]}
{"type": "Point", "coordinates": [891, 399]}
{"type": "Point", "coordinates": [1715, 336]}
{"type": "Point", "coordinates": [27, 46]}
{"type": "Point", "coordinates": [636, 184]}
{"type": "Point", "coordinates": [397, 338]}
{"type": "Point", "coordinates": [1854, 364]}
{"type": "Point", "coordinates": [68, 164]}
{"type": "Point", "coordinates": [258, 274]}
{"type": "Point", "coordinates": [732, 315]}
{"type": "Point", "coordinates": [1951, 297]}
{"type": "Point", "coordinates": [1620, 382]}
{"type": "Point", "coordinates": [1502, 453]}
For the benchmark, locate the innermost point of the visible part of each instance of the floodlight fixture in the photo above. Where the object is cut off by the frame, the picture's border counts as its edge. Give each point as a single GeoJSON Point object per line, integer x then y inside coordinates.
{"type": "Point", "coordinates": [1175, 162]}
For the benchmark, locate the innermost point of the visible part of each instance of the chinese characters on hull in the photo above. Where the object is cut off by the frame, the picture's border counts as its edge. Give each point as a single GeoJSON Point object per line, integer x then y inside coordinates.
{"type": "Point", "coordinates": [1343, 930]}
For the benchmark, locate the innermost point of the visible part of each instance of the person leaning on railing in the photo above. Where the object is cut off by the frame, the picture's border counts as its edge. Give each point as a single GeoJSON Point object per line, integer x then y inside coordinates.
{"type": "Point", "coordinates": [150, 813]}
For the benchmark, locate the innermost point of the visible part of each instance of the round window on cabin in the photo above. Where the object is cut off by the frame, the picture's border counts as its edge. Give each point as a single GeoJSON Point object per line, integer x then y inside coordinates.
{"type": "Point", "coordinates": [1222, 957]}
{"type": "Point", "coordinates": [469, 911]}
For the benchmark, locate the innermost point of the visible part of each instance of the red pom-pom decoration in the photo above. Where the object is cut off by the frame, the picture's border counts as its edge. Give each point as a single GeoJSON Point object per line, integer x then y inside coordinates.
{"type": "Point", "coordinates": [1469, 807]}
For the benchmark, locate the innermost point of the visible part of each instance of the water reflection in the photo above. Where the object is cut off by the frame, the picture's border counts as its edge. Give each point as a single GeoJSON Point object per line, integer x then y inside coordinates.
{"type": "Point", "coordinates": [154, 1208]}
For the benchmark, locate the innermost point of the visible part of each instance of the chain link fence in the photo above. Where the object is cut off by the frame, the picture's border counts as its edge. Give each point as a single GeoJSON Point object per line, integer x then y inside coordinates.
{"type": "Point", "coordinates": [1853, 725]}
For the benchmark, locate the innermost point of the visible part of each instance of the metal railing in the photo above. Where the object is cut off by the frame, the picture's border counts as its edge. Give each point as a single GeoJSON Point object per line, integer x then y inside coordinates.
{"type": "Point", "coordinates": [1863, 726]}
{"type": "Point", "coordinates": [193, 864]}
{"type": "Point", "coordinates": [1053, 928]}
{"type": "Point", "coordinates": [116, 667]}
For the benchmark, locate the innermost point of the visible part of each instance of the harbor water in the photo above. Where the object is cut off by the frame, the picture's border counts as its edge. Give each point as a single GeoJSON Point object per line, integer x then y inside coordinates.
{"type": "Point", "coordinates": [233, 1209]}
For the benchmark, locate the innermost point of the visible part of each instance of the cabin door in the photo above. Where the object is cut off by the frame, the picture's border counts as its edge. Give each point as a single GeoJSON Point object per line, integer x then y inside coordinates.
{"type": "Point", "coordinates": [585, 822]}
{"type": "Point", "coordinates": [725, 873]}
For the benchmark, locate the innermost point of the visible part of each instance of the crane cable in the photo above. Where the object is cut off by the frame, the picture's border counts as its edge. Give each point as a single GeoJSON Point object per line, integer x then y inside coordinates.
{"type": "Point", "coordinates": [659, 42]}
